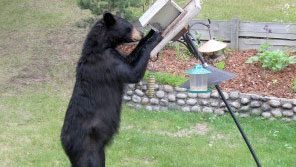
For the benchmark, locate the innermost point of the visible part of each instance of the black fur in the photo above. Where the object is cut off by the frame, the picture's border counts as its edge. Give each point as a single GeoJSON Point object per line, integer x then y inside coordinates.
{"type": "Point", "coordinates": [93, 114]}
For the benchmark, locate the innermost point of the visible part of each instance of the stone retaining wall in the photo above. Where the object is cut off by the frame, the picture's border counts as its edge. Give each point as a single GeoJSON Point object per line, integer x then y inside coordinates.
{"type": "Point", "coordinates": [167, 97]}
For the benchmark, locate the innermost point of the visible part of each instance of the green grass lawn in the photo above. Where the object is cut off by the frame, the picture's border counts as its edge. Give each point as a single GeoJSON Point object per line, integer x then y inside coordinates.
{"type": "Point", "coordinates": [250, 10]}
{"type": "Point", "coordinates": [30, 125]}
{"type": "Point", "coordinates": [39, 48]}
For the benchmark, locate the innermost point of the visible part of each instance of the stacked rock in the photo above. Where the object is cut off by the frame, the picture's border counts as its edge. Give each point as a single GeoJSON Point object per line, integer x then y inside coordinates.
{"type": "Point", "coordinates": [167, 97]}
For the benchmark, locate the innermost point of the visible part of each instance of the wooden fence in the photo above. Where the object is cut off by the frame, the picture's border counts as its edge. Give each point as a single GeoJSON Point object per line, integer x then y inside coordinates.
{"type": "Point", "coordinates": [242, 35]}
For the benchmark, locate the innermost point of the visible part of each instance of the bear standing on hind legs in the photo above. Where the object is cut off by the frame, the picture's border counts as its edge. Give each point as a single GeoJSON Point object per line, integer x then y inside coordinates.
{"type": "Point", "coordinates": [93, 114]}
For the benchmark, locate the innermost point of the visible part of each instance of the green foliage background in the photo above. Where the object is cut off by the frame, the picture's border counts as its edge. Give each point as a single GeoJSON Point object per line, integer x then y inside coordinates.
{"type": "Point", "coordinates": [272, 60]}
{"type": "Point", "coordinates": [128, 8]}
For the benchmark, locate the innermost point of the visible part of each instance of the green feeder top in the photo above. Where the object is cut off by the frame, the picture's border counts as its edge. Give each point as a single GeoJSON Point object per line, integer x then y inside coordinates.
{"type": "Point", "coordinates": [198, 69]}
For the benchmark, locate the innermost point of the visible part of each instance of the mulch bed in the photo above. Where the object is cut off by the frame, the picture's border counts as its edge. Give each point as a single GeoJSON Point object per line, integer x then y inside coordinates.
{"type": "Point", "coordinates": [250, 78]}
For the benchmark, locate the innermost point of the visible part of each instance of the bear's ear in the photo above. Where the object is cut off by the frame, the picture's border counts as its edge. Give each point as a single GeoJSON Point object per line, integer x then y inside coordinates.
{"type": "Point", "coordinates": [109, 19]}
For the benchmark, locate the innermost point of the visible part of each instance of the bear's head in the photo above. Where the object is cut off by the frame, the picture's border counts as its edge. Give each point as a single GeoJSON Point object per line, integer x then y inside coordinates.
{"type": "Point", "coordinates": [120, 30]}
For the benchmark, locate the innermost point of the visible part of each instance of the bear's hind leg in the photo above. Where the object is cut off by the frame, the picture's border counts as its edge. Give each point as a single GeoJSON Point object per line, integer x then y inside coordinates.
{"type": "Point", "coordinates": [91, 158]}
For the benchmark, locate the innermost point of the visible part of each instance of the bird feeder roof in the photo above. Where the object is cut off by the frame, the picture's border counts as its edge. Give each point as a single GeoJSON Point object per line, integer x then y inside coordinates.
{"type": "Point", "coordinates": [198, 69]}
{"type": "Point", "coordinates": [212, 46]}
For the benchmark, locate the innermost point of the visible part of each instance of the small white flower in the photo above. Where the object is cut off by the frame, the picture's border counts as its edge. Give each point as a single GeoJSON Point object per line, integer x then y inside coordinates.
{"type": "Point", "coordinates": [288, 146]}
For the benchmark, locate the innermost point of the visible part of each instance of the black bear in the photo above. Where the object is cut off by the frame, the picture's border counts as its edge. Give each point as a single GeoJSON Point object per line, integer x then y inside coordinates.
{"type": "Point", "coordinates": [93, 113]}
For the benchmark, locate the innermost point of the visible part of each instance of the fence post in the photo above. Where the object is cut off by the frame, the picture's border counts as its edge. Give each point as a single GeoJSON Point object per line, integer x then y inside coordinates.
{"type": "Point", "coordinates": [234, 43]}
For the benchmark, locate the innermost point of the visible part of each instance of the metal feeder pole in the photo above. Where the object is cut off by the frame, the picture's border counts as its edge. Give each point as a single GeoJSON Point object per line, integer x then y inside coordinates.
{"type": "Point", "coordinates": [192, 48]}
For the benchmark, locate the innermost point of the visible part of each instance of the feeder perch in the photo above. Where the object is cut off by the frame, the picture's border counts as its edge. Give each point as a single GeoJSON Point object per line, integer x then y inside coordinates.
{"type": "Point", "coordinates": [199, 79]}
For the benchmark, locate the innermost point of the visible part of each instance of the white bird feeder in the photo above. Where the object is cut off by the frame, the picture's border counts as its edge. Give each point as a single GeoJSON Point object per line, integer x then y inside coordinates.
{"type": "Point", "coordinates": [162, 13]}
{"type": "Point", "coordinates": [168, 16]}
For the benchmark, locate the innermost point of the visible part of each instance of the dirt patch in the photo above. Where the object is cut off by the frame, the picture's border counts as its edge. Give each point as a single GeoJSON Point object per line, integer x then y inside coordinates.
{"type": "Point", "coordinates": [33, 73]}
{"type": "Point", "coordinates": [128, 127]}
{"type": "Point", "coordinates": [250, 78]}
{"type": "Point", "coordinates": [134, 160]}
{"type": "Point", "coordinates": [198, 129]}
{"type": "Point", "coordinates": [41, 50]}
{"type": "Point", "coordinates": [215, 139]}
{"type": "Point", "coordinates": [4, 151]}
{"type": "Point", "coordinates": [48, 58]}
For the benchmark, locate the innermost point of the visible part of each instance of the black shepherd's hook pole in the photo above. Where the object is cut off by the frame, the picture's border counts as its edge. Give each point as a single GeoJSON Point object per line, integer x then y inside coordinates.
{"type": "Point", "coordinates": [192, 48]}
{"type": "Point", "coordinates": [238, 126]}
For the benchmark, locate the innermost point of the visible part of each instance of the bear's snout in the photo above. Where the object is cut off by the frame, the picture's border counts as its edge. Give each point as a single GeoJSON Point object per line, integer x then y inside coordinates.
{"type": "Point", "coordinates": [136, 35]}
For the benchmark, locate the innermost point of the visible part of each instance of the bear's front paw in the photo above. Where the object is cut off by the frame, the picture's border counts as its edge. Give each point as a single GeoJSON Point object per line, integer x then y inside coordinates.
{"type": "Point", "coordinates": [158, 37]}
{"type": "Point", "coordinates": [150, 34]}
{"type": "Point", "coordinates": [144, 40]}
{"type": "Point", "coordinates": [155, 39]}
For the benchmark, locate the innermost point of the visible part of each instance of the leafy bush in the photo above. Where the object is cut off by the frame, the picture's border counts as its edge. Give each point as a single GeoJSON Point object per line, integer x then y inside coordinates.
{"type": "Point", "coordinates": [127, 7]}
{"type": "Point", "coordinates": [182, 53]}
{"type": "Point", "coordinates": [273, 60]}
{"type": "Point", "coordinates": [220, 65]}
{"type": "Point", "coordinates": [166, 78]}
{"type": "Point", "coordinates": [294, 84]}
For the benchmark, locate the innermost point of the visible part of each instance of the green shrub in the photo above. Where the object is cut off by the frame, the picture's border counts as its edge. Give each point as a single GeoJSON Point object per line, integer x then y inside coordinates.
{"type": "Point", "coordinates": [127, 7]}
{"type": "Point", "coordinates": [272, 60]}
{"type": "Point", "coordinates": [182, 53]}
{"type": "Point", "coordinates": [294, 84]}
{"type": "Point", "coordinates": [166, 78]}
{"type": "Point", "coordinates": [220, 65]}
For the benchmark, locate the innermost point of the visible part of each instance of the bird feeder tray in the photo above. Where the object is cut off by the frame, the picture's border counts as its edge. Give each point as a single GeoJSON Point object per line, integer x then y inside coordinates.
{"type": "Point", "coordinates": [216, 77]}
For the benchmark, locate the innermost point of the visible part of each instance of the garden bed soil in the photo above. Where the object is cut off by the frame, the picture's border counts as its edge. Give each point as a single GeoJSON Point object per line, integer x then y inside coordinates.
{"type": "Point", "coordinates": [250, 78]}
